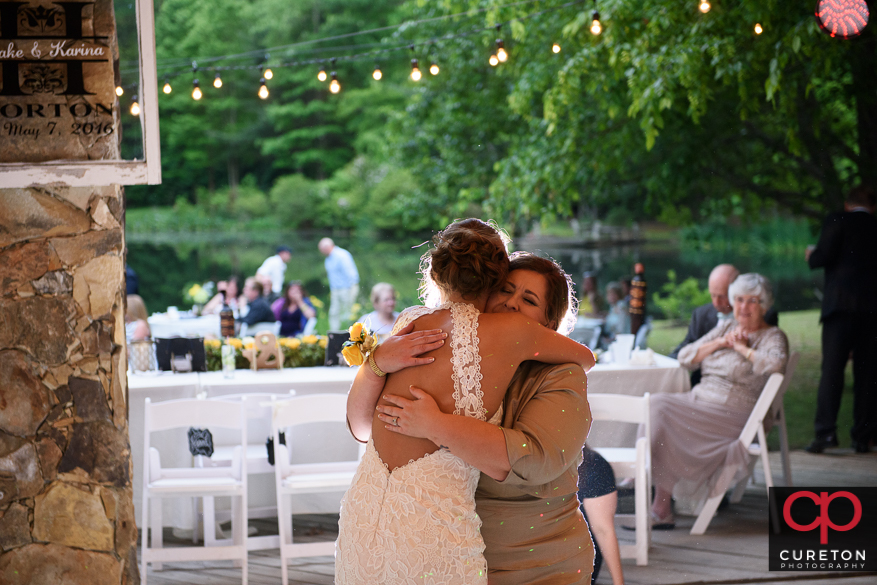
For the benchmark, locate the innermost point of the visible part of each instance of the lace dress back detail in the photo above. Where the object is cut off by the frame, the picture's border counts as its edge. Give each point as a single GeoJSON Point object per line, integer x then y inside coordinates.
{"type": "Point", "coordinates": [417, 524]}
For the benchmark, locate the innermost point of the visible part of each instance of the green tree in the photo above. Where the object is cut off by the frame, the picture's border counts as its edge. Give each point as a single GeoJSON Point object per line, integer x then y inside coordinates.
{"type": "Point", "coordinates": [680, 114]}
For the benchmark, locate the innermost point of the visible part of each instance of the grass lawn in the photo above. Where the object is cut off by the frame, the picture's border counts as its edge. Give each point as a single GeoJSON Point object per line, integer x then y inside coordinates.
{"type": "Point", "coordinates": [805, 337]}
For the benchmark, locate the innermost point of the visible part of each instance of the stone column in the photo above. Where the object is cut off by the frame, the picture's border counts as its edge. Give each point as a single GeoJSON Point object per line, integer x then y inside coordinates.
{"type": "Point", "coordinates": [66, 511]}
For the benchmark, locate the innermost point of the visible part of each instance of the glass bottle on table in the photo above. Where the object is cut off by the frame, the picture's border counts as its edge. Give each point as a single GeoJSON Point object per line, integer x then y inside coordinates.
{"type": "Point", "coordinates": [226, 329]}
{"type": "Point", "coordinates": [637, 298]}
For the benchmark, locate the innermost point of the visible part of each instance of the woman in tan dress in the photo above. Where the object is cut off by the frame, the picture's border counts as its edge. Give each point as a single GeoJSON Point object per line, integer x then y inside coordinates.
{"type": "Point", "coordinates": [694, 434]}
{"type": "Point", "coordinates": [533, 529]}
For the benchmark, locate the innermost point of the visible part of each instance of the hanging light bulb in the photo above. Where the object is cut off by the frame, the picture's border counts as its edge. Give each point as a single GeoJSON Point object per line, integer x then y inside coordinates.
{"type": "Point", "coordinates": [758, 29]}
{"type": "Point", "coordinates": [704, 6]}
{"type": "Point", "coordinates": [263, 89]}
{"type": "Point", "coordinates": [596, 27]}
{"type": "Point", "coordinates": [217, 81]}
{"type": "Point", "coordinates": [135, 107]}
{"type": "Point", "coordinates": [334, 86]}
{"type": "Point", "coordinates": [196, 90]}
{"type": "Point", "coordinates": [377, 73]}
{"type": "Point", "coordinates": [268, 73]}
{"type": "Point", "coordinates": [167, 87]}
{"type": "Point", "coordinates": [322, 76]}
{"type": "Point", "coordinates": [434, 69]}
{"type": "Point", "coordinates": [501, 54]}
{"type": "Point", "coordinates": [119, 90]}
{"type": "Point", "coordinates": [415, 71]}
{"type": "Point", "coordinates": [493, 60]}
{"type": "Point", "coordinates": [555, 48]}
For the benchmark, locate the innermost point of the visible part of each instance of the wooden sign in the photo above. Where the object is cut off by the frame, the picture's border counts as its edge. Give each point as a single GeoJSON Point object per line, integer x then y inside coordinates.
{"type": "Point", "coordinates": [57, 86]}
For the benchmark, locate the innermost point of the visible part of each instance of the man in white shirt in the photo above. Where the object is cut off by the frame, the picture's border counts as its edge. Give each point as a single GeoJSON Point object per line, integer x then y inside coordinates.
{"type": "Point", "coordinates": [275, 268]}
{"type": "Point", "coordinates": [343, 282]}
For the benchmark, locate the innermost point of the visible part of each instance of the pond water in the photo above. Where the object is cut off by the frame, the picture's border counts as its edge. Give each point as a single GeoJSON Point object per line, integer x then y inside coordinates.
{"type": "Point", "coordinates": [166, 264]}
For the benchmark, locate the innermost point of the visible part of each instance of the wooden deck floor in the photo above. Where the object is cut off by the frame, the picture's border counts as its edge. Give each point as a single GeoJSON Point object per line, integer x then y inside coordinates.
{"type": "Point", "coordinates": [733, 551]}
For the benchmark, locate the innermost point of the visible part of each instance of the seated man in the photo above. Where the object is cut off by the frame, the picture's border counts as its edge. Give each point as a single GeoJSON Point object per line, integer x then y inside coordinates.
{"type": "Point", "coordinates": [259, 309]}
{"type": "Point", "coordinates": [705, 317]}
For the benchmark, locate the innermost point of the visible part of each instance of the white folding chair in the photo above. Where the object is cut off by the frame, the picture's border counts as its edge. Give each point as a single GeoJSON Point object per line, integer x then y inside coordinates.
{"type": "Point", "coordinates": [778, 416]}
{"type": "Point", "coordinates": [630, 462]}
{"type": "Point", "coordinates": [162, 482]}
{"type": "Point", "coordinates": [259, 412]}
{"type": "Point", "coordinates": [753, 428]}
{"type": "Point", "coordinates": [308, 478]}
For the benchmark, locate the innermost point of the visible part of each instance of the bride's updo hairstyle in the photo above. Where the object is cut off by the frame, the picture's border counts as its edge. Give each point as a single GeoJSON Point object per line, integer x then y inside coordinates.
{"type": "Point", "coordinates": [561, 304]}
{"type": "Point", "coordinates": [468, 257]}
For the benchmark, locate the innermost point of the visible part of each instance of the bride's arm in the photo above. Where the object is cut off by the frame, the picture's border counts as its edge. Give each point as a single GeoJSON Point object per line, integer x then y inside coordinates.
{"type": "Point", "coordinates": [396, 353]}
{"type": "Point", "coordinates": [522, 339]}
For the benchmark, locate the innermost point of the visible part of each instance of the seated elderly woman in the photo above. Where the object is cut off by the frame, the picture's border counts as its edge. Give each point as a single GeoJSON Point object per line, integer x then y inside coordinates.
{"type": "Point", "coordinates": [381, 320]}
{"type": "Point", "coordinates": [695, 433]}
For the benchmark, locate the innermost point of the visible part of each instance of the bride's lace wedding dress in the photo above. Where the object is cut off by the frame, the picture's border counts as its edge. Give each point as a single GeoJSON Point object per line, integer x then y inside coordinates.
{"type": "Point", "coordinates": [417, 524]}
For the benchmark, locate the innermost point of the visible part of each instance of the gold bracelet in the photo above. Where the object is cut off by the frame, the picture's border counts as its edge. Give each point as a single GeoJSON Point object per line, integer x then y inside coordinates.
{"type": "Point", "coordinates": [371, 362]}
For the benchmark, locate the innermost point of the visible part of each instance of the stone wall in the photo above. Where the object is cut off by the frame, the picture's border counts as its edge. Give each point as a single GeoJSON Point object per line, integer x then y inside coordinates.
{"type": "Point", "coordinates": [66, 511]}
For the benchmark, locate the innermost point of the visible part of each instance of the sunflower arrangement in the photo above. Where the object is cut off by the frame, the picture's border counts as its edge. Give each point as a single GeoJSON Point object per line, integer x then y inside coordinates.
{"type": "Point", "coordinates": [297, 352]}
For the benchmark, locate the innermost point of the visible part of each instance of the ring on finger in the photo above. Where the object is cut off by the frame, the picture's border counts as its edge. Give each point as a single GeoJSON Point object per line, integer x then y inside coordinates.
{"type": "Point", "coordinates": [395, 421]}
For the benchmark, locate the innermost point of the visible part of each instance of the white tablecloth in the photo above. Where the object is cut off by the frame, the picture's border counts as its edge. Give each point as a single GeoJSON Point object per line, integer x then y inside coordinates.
{"type": "Point", "coordinates": [163, 326]}
{"type": "Point", "coordinates": [666, 376]}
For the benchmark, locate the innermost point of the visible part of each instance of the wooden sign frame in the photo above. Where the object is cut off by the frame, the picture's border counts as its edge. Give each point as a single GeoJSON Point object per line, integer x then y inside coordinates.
{"type": "Point", "coordinates": [108, 172]}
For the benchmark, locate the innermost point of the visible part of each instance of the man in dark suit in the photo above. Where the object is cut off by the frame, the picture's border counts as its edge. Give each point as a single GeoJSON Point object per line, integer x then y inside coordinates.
{"type": "Point", "coordinates": [847, 250]}
{"type": "Point", "coordinates": [707, 316]}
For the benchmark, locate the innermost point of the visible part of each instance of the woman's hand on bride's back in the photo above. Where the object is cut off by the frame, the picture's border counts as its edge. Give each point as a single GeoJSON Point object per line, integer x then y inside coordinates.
{"type": "Point", "coordinates": [403, 349]}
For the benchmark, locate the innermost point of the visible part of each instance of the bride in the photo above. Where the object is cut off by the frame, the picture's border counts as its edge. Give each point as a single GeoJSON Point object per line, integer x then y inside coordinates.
{"type": "Point", "coordinates": [410, 511]}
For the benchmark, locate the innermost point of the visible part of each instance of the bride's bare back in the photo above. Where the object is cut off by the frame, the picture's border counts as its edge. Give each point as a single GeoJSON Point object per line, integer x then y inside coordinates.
{"type": "Point", "coordinates": [504, 341]}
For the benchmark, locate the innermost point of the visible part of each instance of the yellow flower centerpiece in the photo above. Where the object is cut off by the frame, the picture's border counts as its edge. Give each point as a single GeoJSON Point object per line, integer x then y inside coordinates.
{"type": "Point", "coordinates": [361, 343]}
{"type": "Point", "coordinates": [309, 351]}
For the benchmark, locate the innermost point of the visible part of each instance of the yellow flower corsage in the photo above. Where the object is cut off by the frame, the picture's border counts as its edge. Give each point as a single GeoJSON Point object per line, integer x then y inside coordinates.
{"type": "Point", "coordinates": [361, 343]}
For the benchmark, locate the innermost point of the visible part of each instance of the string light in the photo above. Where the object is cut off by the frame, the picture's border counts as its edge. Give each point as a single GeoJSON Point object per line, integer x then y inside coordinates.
{"type": "Point", "coordinates": [415, 71]}
{"type": "Point", "coordinates": [334, 86]}
{"type": "Point", "coordinates": [263, 89]}
{"type": "Point", "coordinates": [555, 48]}
{"type": "Point", "coordinates": [376, 74]}
{"type": "Point", "coordinates": [119, 90]}
{"type": "Point", "coordinates": [196, 90]}
{"type": "Point", "coordinates": [596, 27]}
{"type": "Point", "coordinates": [434, 69]}
{"type": "Point", "coordinates": [758, 29]}
{"type": "Point", "coordinates": [217, 81]}
{"type": "Point", "coordinates": [493, 60]}
{"type": "Point", "coordinates": [167, 87]}
{"type": "Point", "coordinates": [268, 74]}
{"type": "Point", "coordinates": [704, 6]}
{"type": "Point", "coordinates": [322, 74]}
{"type": "Point", "coordinates": [501, 54]}
{"type": "Point", "coordinates": [135, 107]}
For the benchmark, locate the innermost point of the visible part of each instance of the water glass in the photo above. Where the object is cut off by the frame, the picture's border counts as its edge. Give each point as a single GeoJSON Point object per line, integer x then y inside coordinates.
{"type": "Point", "coordinates": [228, 359]}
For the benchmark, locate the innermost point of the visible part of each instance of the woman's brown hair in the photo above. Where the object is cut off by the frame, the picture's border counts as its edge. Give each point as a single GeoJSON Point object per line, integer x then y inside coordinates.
{"type": "Point", "coordinates": [560, 303]}
{"type": "Point", "coordinates": [469, 257]}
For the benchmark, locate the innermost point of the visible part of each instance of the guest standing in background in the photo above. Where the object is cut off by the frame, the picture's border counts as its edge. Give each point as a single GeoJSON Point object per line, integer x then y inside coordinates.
{"type": "Point", "coordinates": [381, 320]}
{"type": "Point", "coordinates": [274, 268]}
{"type": "Point", "coordinates": [293, 309]}
{"type": "Point", "coordinates": [847, 250]}
{"type": "Point", "coordinates": [343, 282]}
